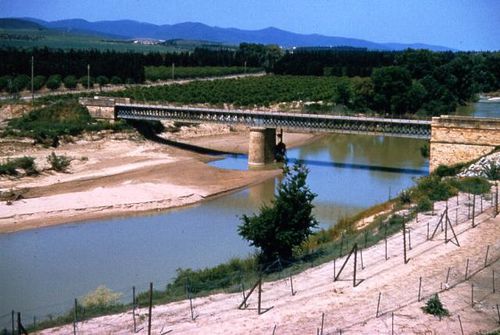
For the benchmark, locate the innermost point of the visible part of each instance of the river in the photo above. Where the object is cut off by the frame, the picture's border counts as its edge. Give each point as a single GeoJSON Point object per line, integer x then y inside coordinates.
{"type": "Point", "coordinates": [43, 270]}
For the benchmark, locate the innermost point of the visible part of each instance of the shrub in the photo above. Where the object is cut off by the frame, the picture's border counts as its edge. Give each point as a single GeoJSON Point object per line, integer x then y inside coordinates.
{"type": "Point", "coordinates": [475, 185]}
{"type": "Point", "coordinates": [447, 171]}
{"type": "Point", "coordinates": [70, 82]}
{"type": "Point", "coordinates": [25, 163]}
{"type": "Point", "coordinates": [101, 298]}
{"type": "Point", "coordinates": [405, 197]}
{"type": "Point", "coordinates": [435, 188]}
{"type": "Point", "coordinates": [424, 204]}
{"type": "Point", "coordinates": [492, 171]}
{"type": "Point", "coordinates": [58, 163]}
{"type": "Point", "coordinates": [435, 307]}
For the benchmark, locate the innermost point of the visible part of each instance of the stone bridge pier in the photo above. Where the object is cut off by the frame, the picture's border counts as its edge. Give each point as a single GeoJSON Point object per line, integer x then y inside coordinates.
{"type": "Point", "coordinates": [458, 139]}
{"type": "Point", "coordinates": [261, 146]}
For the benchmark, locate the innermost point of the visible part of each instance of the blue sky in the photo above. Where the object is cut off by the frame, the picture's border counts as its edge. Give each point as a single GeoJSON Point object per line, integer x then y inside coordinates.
{"type": "Point", "coordinates": [461, 24]}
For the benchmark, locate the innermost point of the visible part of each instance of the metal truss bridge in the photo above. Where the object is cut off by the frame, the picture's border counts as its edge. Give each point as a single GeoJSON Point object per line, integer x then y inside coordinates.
{"type": "Point", "coordinates": [287, 121]}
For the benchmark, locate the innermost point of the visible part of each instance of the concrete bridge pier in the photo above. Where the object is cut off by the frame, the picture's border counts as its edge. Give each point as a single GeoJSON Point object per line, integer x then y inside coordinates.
{"type": "Point", "coordinates": [261, 146]}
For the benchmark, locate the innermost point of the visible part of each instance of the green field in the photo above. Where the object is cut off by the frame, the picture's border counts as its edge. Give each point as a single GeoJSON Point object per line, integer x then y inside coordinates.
{"type": "Point", "coordinates": [54, 39]}
{"type": "Point", "coordinates": [259, 91]}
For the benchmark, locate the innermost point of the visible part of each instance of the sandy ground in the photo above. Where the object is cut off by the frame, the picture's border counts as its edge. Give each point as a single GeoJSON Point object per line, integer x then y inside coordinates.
{"type": "Point", "coordinates": [117, 174]}
{"type": "Point", "coordinates": [353, 310]}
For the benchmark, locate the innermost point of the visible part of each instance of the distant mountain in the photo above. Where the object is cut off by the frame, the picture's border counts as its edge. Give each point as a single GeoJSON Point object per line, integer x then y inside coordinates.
{"type": "Point", "coordinates": [128, 29]}
{"type": "Point", "coordinates": [19, 24]}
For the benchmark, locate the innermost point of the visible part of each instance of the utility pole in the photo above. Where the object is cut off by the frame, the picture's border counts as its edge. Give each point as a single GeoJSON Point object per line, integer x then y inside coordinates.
{"type": "Point", "coordinates": [32, 79]}
{"type": "Point", "coordinates": [173, 71]}
{"type": "Point", "coordinates": [245, 67]}
{"type": "Point", "coordinates": [88, 76]}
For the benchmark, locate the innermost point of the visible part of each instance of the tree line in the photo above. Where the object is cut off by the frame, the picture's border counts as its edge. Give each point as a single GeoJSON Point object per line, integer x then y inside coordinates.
{"type": "Point", "coordinates": [385, 81]}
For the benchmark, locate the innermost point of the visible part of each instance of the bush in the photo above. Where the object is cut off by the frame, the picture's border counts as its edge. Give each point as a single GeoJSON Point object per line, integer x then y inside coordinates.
{"type": "Point", "coordinates": [70, 82]}
{"type": "Point", "coordinates": [424, 204]}
{"type": "Point", "coordinates": [435, 307]}
{"type": "Point", "coordinates": [492, 171]}
{"type": "Point", "coordinates": [448, 171]}
{"type": "Point", "coordinates": [435, 188]}
{"type": "Point", "coordinates": [58, 163]}
{"type": "Point", "coordinates": [25, 163]}
{"type": "Point", "coordinates": [474, 185]}
{"type": "Point", "coordinates": [405, 197]}
{"type": "Point", "coordinates": [101, 298]}
{"type": "Point", "coordinates": [54, 82]}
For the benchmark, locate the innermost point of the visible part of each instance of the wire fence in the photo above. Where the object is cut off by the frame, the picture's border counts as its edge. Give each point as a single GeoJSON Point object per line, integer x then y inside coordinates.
{"type": "Point", "coordinates": [354, 260]}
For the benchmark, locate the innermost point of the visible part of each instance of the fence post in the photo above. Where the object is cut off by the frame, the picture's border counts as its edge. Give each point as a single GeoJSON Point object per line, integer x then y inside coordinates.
{"type": "Point", "coordinates": [150, 307]}
{"type": "Point", "coordinates": [472, 294]}
{"type": "Point", "coordinates": [486, 257]}
{"type": "Point", "coordinates": [461, 328]}
{"type": "Point", "coordinates": [133, 309]}
{"type": "Point", "coordinates": [419, 288]}
{"type": "Point", "coordinates": [493, 280]}
{"type": "Point", "coordinates": [496, 199]}
{"type": "Point", "coordinates": [473, 210]}
{"type": "Point", "coordinates": [404, 241]}
{"type": "Point", "coordinates": [75, 317]}
{"type": "Point", "coordinates": [322, 322]}
{"type": "Point", "coordinates": [378, 304]}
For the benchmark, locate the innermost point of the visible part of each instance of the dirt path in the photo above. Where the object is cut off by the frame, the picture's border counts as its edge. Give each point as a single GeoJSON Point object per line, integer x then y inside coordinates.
{"type": "Point", "coordinates": [353, 309]}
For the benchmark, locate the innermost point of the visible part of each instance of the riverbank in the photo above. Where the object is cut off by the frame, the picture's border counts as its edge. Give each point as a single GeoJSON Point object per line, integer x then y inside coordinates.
{"type": "Point", "coordinates": [389, 293]}
{"type": "Point", "coordinates": [120, 174]}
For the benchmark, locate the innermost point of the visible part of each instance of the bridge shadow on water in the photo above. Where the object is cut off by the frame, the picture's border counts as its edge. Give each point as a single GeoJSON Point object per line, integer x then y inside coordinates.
{"type": "Point", "coordinates": [150, 135]}
{"type": "Point", "coordinates": [313, 162]}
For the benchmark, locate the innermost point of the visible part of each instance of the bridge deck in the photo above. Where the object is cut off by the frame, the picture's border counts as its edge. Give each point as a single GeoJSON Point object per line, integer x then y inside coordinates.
{"type": "Point", "coordinates": [289, 121]}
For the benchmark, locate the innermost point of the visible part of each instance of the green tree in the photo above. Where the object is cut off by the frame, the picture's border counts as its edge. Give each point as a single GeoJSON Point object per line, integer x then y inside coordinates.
{"type": "Point", "coordinates": [390, 85]}
{"type": "Point", "coordinates": [54, 82]}
{"type": "Point", "coordinates": [343, 92]}
{"type": "Point", "coordinates": [287, 222]}
{"type": "Point", "coordinates": [20, 82]}
{"type": "Point", "coordinates": [38, 82]}
{"type": "Point", "coordinates": [102, 81]}
{"type": "Point", "coordinates": [70, 82]}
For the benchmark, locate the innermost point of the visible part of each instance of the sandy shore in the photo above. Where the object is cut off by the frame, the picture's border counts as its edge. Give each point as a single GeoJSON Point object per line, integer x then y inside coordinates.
{"type": "Point", "coordinates": [117, 174]}
{"type": "Point", "coordinates": [440, 268]}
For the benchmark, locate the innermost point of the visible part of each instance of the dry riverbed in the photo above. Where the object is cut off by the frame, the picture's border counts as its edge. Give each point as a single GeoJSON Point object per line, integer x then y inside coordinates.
{"type": "Point", "coordinates": [122, 174]}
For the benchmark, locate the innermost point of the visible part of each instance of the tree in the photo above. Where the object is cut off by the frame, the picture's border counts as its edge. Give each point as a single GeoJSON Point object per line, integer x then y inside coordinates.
{"type": "Point", "coordinates": [102, 81]}
{"type": "Point", "coordinates": [391, 85]}
{"type": "Point", "coordinates": [38, 82]}
{"type": "Point", "coordinates": [54, 82]}
{"type": "Point", "coordinates": [343, 92]}
{"type": "Point", "coordinates": [287, 222]}
{"type": "Point", "coordinates": [70, 82]}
